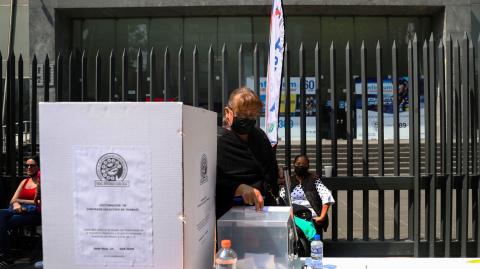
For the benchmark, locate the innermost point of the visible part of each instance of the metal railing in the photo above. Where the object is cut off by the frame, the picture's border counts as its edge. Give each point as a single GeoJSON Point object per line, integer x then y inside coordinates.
{"type": "Point", "coordinates": [450, 90]}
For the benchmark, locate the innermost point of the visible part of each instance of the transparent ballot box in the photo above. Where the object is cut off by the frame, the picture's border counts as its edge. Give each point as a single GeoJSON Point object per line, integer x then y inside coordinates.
{"type": "Point", "coordinates": [262, 240]}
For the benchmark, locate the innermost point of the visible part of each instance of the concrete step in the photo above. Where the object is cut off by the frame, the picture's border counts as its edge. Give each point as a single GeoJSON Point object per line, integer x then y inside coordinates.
{"type": "Point", "coordinates": [389, 157]}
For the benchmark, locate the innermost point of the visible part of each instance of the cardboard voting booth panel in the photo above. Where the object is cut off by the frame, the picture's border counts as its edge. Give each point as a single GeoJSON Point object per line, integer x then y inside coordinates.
{"type": "Point", "coordinates": [127, 185]}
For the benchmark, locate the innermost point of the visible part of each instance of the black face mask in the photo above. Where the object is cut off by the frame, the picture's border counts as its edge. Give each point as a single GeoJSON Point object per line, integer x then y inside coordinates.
{"type": "Point", "coordinates": [242, 125]}
{"type": "Point", "coordinates": [301, 171]}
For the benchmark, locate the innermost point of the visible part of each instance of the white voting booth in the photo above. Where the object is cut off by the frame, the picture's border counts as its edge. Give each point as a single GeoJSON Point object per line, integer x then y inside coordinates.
{"type": "Point", "coordinates": [127, 185]}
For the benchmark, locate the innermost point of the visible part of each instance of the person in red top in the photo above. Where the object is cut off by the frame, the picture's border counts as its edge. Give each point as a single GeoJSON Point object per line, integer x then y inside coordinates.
{"type": "Point", "coordinates": [23, 209]}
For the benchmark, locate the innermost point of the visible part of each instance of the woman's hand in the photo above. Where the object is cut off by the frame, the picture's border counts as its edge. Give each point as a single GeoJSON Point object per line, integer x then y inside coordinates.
{"type": "Point", "coordinates": [17, 207]}
{"type": "Point", "coordinates": [323, 215]}
{"type": "Point", "coordinates": [250, 195]}
{"type": "Point", "coordinates": [318, 220]}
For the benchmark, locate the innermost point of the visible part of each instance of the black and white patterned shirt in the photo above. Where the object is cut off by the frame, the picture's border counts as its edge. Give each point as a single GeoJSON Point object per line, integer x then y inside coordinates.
{"type": "Point", "coordinates": [298, 196]}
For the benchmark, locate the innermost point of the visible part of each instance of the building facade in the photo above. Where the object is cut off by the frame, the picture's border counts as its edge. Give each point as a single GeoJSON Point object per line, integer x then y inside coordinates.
{"type": "Point", "coordinates": [50, 26]}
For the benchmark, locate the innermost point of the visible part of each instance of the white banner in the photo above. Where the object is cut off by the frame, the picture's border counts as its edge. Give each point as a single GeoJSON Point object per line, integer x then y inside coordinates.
{"type": "Point", "coordinates": [274, 71]}
{"type": "Point", "coordinates": [113, 206]}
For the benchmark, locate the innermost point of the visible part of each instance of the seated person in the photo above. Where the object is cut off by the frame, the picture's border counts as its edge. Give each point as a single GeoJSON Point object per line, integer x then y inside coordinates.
{"type": "Point", "coordinates": [246, 163]}
{"type": "Point", "coordinates": [23, 210]}
{"type": "Point", "coordinates": [308, 191]}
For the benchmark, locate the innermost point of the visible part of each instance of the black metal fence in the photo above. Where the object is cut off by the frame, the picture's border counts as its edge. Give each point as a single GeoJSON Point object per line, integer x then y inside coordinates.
{"type": "Point", "coordinates": [446, 67]}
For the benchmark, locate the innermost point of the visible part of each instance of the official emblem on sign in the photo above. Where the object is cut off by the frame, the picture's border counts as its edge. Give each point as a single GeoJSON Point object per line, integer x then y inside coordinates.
{"type": "Point", "coordinates": [203, 169]}
{"type": "Point", "coordinates": [111, 171]}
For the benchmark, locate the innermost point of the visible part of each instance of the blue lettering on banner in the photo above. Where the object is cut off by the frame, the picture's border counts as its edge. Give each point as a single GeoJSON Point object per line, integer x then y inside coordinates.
{"type": "Point", "coordinates": [281, 123]}
{"type": "Point", "coordinates": [278, 46]}
{"type": "Point", "coordinates": [310, 85]}
{"type": "Point", "coordinates": [272, 108]}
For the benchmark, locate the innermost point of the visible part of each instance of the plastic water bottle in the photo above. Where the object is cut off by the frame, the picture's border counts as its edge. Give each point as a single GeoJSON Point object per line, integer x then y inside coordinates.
{"type": "Point", "coordinates": [226, 258]}
{"type": "Point", "coordinates": [316, 252]}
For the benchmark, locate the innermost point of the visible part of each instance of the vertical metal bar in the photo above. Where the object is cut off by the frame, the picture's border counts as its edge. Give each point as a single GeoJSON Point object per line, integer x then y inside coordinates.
{"type": "Point", "coordinates": [1, 116]}
{"type": "Point", "coordinates": [139, 91]}
{"type": "Point", "coordinates": [240, 65]}
{"type": "Point", "coordinates": [334, 217]}
{"type": "Point", "coordinates": [303, 98]}
{"type": "Point", "coordinates": [458, 133]}
{"type": "Point", "coordinates": [181, 73]}
{"type": "Point", "coordinates": [349, 108]}
{"type": "Point", "coordinates": [11, 119]}
{"type": "Point", "coordinates": [153, 73]}
{"type": "Point", "coordinates": [333, 111]}
{"type": "Point", "coordinates": [166, 74]}
{"type": "Point", "coordinates": [458, 183]}
{"type": "Point", "coordinates": [225, 90]}
{"type": "Point", "coordinates": [71, 75]}
{"type": "Point", "coordinates": [449, 146]}
{"type": "Point", "coordinates": [472, 104]}
{"type": "Point", "coordinates": [363, 75]}
{"type": "Point", "coordinates": [286, 75]}
{"type": "Point", "coordinates": [475, 205]}
{"type": "Point", "coordinates": [256, 69]}
{"type": "Point", "coordinates": [33, 110]}
{"type": "Point", "coordinates": [410, 136]}
{"type": "Point", "coordinates": [416, 139]}
{"type": "Point", "coordinates": [319, 111]}
{"type": "Point", "coordinates": [478, 102]}
{"type": "Point", "coordinates": [457, 108]}
{"type": "Point", "coordinates": [210, 78]}
{"type": "Point", "coordinates": [477, 213]}
{"type": "Point", "coordinates": [46, 80]}
{"type": "Point", "coordinates": [333, 127]}
{"type": "Point", "coordinates": [256, 74]}
{"type": "Point", "coordinates": [98, 76]}
{"type": "Point", "coordinates": [433, 149]}
{"type": "Point", "coordinates": [195, 78]}
{"type": "Point", "coordinates": [111, 76]}
{"type": "Point", "coordinates": [84, 90]}
{"type": "Point", "coordinates": [59, 77]}
{"type": "Point", "coordinates": [350, 114]}
{"type": "Point", "coordinates": [465, 116]}
{"type": "Point", "coordinates": [443, 147]}
{"type": "Point", "coordinates": [476, 197]}
{"type": "Point", "coordinates": [124, 75]}
{"type": "Point", "coordinates": [396, 143]}
{"type": "Point", "coordinates": [8, 156]}
{"type": "Point", "coordinates": [426, 94]}
{"type": "Point", "coordinates": [441, 89]}
{"type": "Point", "coordinates": [7, 116]}
{"type": "Point", "coordinates": [381, 148]}
{"type": "Point", "coordinates": [20, 117]}
{"type": "Point", "coordinates": [431, 216]}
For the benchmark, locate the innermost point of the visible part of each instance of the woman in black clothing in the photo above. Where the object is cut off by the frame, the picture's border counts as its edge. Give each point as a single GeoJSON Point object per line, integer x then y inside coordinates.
{"type": "Point", "coordinates": [246, 163]}
{"type": "Point", "coordinates": [308, 191]}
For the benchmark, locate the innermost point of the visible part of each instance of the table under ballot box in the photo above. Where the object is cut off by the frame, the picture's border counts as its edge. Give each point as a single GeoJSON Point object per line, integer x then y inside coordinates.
{"type": "Point", "coordinates": [260, 239]}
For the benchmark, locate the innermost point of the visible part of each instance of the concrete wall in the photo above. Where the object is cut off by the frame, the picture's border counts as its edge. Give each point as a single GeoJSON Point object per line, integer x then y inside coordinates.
{"type": "Point", "coordinates": [20, 38]}
{"type": "Point", "coordinates": [475, 18]}
{"type": "Point", "coordinates": [48, 17]}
